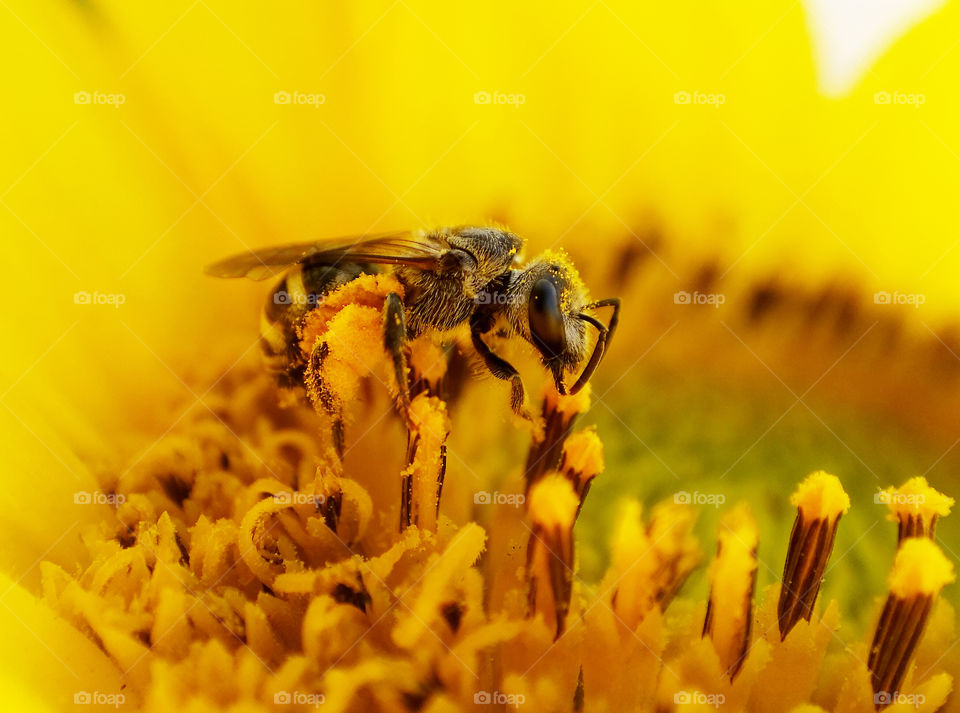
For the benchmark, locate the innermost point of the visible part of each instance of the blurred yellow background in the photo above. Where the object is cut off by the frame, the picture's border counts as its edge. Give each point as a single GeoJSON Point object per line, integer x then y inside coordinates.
{"type": "Point", "coordinates": [199, 160]}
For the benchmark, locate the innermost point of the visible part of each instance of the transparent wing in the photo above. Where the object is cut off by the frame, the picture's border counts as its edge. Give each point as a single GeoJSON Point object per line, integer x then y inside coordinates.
{"type": "Point", "coordinates": [415, 249]}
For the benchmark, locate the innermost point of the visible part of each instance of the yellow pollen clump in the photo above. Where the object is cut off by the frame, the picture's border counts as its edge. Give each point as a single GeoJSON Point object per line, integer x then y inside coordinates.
{"type": "Point", "coordinates": [582, 457]}
{"type": "Point", "coordinates": [364, 291]}
{"type": "Point", "coordinates": [821, 497]}
{"type": "Point", "coordinates": [915, 507]}
{"type": "Point", "coordinates": [566, 404]}
{"type": "Point", "coordinates": [552, 502]}
{"type": "Point", "coordinates": [916, 496]}
{"type": "Point", "coordinates": [919, 569]}
{"type": "Point", "coordinates": [354, 338]}
{"type": "Point", "coordinates": [428, 417]}
{"type": "Point", "coordinates": [427, 361]}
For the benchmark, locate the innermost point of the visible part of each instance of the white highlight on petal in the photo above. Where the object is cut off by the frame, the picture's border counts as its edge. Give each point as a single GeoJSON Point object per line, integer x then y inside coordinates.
{"type": "Point", "coordinates": [850, 35]}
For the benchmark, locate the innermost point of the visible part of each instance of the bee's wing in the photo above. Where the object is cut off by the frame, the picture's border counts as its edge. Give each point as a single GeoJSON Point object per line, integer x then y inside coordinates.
{"type": "Point", "coordinates": [415, 249]}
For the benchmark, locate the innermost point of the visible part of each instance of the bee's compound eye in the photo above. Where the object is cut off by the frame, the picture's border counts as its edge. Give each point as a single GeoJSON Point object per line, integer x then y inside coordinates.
{"type": "Point", "coordinates": [546, 321]}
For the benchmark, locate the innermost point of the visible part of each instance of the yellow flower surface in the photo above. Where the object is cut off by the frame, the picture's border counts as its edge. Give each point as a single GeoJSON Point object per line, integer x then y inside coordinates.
{"type": "Point", "coordinates": [184, 533]}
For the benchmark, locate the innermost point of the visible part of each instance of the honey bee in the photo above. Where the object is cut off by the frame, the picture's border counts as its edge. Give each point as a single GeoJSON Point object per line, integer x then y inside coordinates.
{"type": "Point", "coordinates": [453, 276]}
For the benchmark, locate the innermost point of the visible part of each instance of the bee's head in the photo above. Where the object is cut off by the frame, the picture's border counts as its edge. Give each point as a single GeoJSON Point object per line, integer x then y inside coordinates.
{"type": "Point", "coordinates": [555, 320]}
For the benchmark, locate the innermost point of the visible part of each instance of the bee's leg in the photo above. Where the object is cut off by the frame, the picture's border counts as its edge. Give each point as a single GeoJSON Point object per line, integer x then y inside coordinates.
{"type": "Point", "coordinates": [502, 369]}
{"type": "Point", "coordinates": [322, 398]}
{"type": "Point", "coordinates": [395, 341]}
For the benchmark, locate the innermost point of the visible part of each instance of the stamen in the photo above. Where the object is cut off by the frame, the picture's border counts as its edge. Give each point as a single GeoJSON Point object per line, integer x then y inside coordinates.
{"type": "Point", "coordinates": [920, 570]}
{"type": "Point", "coordinates": [422, 479]}
{"type": "Point", "coordinates": [582, 461]}
{"type": "Point", "coordinates": [553, 506]}
{"type": "Point", "coordinates": [820, 501]}
{"type": "Point", "coordinates": [559, 413]}
{"type": "Point", "coordinates": [733, 577]}
{"type": "Point", "coordinates": [915, 506]}
{"type": "Point", "coordinates": [651, 561]}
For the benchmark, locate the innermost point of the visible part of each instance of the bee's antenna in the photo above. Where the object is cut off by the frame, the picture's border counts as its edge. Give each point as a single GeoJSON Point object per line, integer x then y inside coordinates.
{"type": "Point", "coordinates": [606, 334]}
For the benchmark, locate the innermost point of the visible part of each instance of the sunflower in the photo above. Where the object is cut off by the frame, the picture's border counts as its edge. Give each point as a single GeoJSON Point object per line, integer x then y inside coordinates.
{"type": "Point", "coordinates": [180, 535]}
